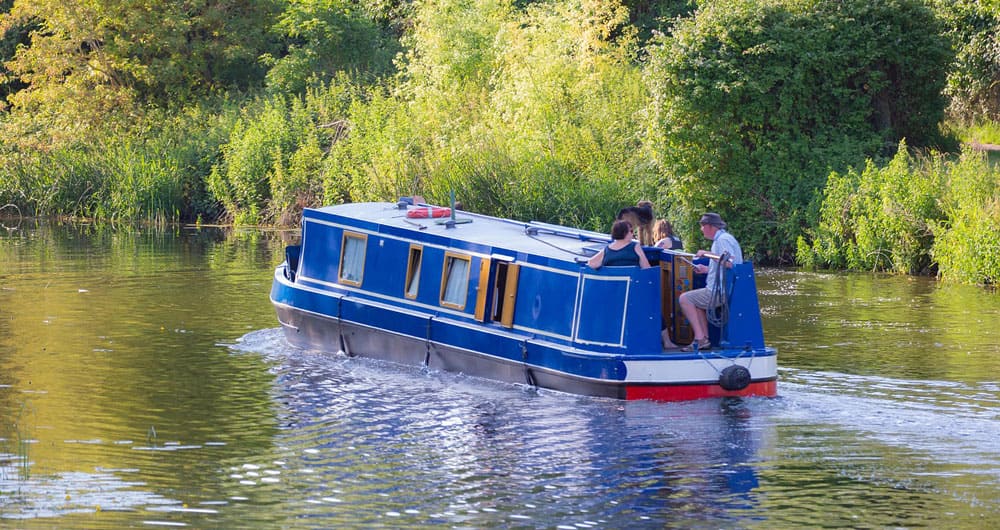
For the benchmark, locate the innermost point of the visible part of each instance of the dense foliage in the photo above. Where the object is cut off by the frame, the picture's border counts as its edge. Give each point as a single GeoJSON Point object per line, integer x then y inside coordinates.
{"type": "Point", "coordinates": [912, 215]}
{"type": "Point", "coordinates": [322, 37]}
{"type": "Point", "coordinates": [880, 218]}
{"type": "Point", "coordinates": [785, 116]}
{"type": "Point", "coordinates": [757, 101]}
{"type": "Point", "coordinates": [90, 64]}
{"type": "Point", "coordinates": [974, 27]}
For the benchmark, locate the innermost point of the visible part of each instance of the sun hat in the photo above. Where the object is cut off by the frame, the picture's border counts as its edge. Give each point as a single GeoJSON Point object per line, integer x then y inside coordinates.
{"type": "Point", "coordinates": [713, 219]}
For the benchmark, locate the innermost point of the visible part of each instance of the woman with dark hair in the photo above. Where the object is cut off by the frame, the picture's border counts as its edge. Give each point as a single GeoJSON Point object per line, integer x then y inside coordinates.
{"type": "Point", "coordinates": [623, 251]}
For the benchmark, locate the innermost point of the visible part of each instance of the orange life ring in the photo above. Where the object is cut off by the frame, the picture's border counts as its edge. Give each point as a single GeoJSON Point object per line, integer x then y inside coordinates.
{"type": "Point", "coordinates": [428, 211]}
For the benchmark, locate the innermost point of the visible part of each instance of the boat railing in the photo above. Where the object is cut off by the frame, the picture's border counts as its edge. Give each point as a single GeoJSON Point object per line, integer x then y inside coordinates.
{"type": "Point", "coordinates": [538, 227]}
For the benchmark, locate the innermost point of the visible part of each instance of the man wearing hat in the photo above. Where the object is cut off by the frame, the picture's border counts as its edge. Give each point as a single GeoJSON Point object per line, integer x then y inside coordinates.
{"type": "Point", "coordinates": [695, 303]}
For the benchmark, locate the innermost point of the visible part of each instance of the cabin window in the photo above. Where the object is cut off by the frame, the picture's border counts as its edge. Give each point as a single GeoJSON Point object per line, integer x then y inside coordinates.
{"type": "Point", "coordinates": [413, 271]}
{"type": "Point", "coordinates": [455, 281]}
{"type": "Point", "coordinates": [352, 258]}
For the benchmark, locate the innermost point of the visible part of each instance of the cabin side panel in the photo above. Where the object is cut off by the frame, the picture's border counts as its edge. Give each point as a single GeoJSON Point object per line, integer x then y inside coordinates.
{"type": "Point", "coordinates": [602, 309]}
{"type": "Point", "coordinates": [320, 251]}
{"type": "Point", "coordinates": [386, 264]}
{"type": "Point", "coordinates": [644, 316]}
{"type": "Point", "coordinates": [545, 301]}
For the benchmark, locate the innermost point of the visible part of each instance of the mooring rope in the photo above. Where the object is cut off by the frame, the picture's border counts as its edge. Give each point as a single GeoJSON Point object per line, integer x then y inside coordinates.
{"type": "Point", "coordinates": [718, 297]}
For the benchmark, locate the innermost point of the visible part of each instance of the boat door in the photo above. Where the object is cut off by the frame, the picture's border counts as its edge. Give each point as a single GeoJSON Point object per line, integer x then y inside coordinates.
{"type": "Point", "coordinates": [498, 281]}
{"type": "Point", "coordinates": [676, 276]}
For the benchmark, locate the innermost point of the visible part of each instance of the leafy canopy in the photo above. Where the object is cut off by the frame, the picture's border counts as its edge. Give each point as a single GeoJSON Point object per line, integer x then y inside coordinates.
{"type": "Point", "coordinates": [755, 101]}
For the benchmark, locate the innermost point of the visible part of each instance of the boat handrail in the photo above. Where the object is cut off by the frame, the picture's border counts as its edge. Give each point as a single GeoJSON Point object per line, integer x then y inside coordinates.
{"type": "Point", "coordinates": [537, 227]}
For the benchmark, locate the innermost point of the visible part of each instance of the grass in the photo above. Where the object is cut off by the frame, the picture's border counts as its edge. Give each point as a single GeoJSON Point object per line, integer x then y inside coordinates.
{"type": "Point", "coordinates": [986, 132]}
{"type": "Point", "coordinates": [983, 135]}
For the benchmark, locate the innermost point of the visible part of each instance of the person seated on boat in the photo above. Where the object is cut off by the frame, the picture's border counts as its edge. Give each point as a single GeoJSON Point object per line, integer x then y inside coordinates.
{"type": "Point", "coordinates": [665, 236]}
{"type": "Point", "coordinates": [623, 251]}
{"type": "Point", "coordinates": [696, 303]}
{"type": "Point", "coordinates": [663, 231]}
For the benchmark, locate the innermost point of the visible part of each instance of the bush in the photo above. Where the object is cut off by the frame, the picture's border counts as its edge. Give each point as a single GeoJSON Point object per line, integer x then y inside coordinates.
{"type": "Point", "coordinates": [754, 103]}
{"type": "Point", "coordinates": [967, 243]}
{"type": "Point", "coordinates": [881, 219]}
{"type": "Point", "coordinates": [973, 88]}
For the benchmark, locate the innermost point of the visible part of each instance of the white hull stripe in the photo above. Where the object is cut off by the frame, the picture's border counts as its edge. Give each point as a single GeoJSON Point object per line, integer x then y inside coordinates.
{"type": "Point", "coordinates": [686, 370]}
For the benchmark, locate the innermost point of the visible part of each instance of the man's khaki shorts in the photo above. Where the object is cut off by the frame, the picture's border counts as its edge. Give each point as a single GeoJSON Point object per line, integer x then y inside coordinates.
{"type": "Point", "coordinates": [701, 298]}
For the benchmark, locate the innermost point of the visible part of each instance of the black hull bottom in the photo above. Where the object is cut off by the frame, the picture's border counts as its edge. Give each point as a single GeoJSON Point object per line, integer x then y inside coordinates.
{"type": "Point", "coordinates": [316, 332]}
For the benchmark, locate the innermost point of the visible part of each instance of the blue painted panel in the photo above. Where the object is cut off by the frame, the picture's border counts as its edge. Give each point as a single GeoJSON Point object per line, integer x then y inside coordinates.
{"type": "Point", "coordinates": [545, 301]}
{"type": "Point", "coordinates": [470, 247]}
{"type": "Point", "coordinates": [474, 294]}
{"type": "Point", "coordinates": [744, 325]}
{"type": "Point", "coordinates": [430, 276]}
{"type": "Point", "coordinates": [604, 367]}
{"type": "Point", "coordinates": [643, 324]}
{"type": "Point", "coordinates": [473, 338]}
{"type": "Point", "coordinates": [320, 251]}
{"type": "Point", "coordinates": [322, 303]}
{"type": "Point", "coordinates": [388, 318]}
{"type": "Point", "coordinates": [602, 306]}
{"type": "Point", "coordinates": [609, 314]}
{"type": "Point", "coordinates": [385, 265]}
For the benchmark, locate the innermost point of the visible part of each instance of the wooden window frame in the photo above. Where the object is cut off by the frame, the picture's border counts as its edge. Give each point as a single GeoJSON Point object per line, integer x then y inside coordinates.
{"type": "Point", "coordinates": [343, 256]}
{"type": "Point", "coordinates": [413, 268]}
{"type": "Point", "coordinates": [445, 277]}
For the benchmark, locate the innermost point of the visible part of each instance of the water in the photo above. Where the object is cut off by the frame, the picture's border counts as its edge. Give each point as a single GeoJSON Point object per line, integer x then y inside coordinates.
{"type": "Point", "coordinates": [144, 383]}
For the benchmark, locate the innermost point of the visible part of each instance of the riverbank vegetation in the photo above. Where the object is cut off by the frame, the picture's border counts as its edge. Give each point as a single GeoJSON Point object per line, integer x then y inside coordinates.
{"type": "Point", "coordinates": [827, 134]}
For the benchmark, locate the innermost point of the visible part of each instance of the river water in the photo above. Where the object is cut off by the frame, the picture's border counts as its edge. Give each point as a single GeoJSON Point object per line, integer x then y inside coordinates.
{"type": "Point", "coordinates": [144, 383]}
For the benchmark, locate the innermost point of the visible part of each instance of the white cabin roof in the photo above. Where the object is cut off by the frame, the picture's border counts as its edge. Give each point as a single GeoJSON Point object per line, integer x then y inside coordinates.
{"type": "Point", "coordinates": [535, 238]}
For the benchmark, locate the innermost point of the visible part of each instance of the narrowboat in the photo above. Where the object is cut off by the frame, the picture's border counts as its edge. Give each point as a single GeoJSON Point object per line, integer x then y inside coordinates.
{"type": "Point", "coordinates": [512, 301]}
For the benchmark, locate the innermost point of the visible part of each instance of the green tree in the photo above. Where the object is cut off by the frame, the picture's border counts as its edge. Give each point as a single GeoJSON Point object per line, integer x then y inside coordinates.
{"type": "Point", "coordinates": [974, 81]}
{"type": "Point", "coordinates": [13, 33]}
{"type": "Point", "coordinates": [652, 16]}
{"type": "Point", "coordinates": [755, 102]}
{"type": "Point", "coordinates": [89, 61]}
{"type": "Point", "coordinates": [323, 37]}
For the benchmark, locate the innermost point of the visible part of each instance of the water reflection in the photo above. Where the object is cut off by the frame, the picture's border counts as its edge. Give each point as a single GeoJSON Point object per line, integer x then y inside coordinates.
{"type": "Point", "coordinates": [110, 358]}
{"type": "Point", "coordinates": [907, 327]}
{"type": "Point", "coordinates": [374, 441]}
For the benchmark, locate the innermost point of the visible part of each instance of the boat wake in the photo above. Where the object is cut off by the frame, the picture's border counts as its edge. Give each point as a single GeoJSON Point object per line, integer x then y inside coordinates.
{"type": "Point", "coordinates": [946, 417]}
{"type": "Point", "coordinates": [933, 436]}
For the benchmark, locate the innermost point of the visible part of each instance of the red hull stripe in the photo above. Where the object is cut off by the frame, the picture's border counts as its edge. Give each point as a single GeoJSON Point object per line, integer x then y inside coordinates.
{"type": "Point", "coordinates": [691, 392]}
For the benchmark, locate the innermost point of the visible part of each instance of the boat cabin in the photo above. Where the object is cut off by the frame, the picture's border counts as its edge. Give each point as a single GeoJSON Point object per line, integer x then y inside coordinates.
{"type": "Point", "coordinates": [525, 278]}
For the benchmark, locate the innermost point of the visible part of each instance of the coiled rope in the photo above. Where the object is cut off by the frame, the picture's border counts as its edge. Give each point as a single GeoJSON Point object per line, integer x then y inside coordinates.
{"type": "Point", "coordinates": [718, 298]}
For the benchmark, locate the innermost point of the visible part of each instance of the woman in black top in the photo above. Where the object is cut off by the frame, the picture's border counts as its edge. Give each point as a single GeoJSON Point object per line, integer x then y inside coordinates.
{"type": "Point", "coordinates": [623, 251]}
